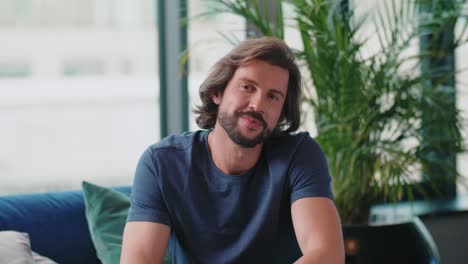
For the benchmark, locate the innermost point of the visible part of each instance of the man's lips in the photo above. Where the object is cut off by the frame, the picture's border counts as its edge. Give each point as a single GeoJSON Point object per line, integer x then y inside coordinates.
{"type": "Point", "coordinates": [252, 121]}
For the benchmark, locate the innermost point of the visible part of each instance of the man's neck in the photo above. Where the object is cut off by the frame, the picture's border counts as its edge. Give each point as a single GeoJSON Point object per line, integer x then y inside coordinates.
{"type": "Point", "coordinates": [230, 157]}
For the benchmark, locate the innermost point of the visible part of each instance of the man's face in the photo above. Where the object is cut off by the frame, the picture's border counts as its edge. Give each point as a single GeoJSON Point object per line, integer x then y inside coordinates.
{"type": "Point", "coordinates": [251, 104]}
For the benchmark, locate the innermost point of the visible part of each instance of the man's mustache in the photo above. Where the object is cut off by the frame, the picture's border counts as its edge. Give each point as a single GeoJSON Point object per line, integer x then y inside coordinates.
{"type": "Point", "coordinates": [253, 114]}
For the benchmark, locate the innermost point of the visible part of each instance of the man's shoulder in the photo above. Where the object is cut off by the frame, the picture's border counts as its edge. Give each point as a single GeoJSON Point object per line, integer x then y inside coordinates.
{"type": "Point", "coordinates": [182, 142]}
{"type": "Point", "coordinates": [289, 144]}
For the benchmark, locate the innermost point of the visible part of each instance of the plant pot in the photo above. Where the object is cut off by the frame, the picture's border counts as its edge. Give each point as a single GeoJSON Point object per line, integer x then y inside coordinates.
{"type": "Point", "coordinates": [408, 242]}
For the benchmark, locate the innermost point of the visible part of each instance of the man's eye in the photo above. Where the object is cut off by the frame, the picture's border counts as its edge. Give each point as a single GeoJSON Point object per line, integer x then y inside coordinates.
{"type": "Point", "coordinates": [246, 87]}
{"type": "Point", "coordinates": [273, 97]}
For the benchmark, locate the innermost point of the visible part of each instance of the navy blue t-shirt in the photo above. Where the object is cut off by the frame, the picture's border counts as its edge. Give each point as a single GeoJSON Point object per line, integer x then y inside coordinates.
{"type": "Point", "coordinates": [220, 218]}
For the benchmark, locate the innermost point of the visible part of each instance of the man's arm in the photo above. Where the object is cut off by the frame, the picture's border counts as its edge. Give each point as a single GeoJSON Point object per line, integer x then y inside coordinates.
{"type": "Point", "coordinates": [318, 231]}
{"type": "Point", "coordinates": [144, 242]}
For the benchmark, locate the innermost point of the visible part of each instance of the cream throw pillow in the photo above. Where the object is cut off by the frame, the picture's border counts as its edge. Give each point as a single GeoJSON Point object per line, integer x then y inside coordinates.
{"type": "Point", "coordinates": [15, 248]}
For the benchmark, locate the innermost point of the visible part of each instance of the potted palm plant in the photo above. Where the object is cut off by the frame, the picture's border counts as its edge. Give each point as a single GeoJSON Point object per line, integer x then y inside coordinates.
{"type": "Point", "coordinates": [369, 107]}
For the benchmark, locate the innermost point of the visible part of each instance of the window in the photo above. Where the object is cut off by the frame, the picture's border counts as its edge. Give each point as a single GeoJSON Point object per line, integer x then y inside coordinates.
{"type": "Point", "coordinates": [462, 104]}
{"type": "Point", "coordinates": [14, 69]}
{"type": "Point", "coordinates": [78, 92]}
{"type": "Point", "coordinates": [208, 44]}
{"type": "Point", "coordinates": [461, 80]}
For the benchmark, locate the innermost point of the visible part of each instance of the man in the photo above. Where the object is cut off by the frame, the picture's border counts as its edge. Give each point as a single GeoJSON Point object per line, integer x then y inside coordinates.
{"type": "Point", "coordinates": [246, 189]}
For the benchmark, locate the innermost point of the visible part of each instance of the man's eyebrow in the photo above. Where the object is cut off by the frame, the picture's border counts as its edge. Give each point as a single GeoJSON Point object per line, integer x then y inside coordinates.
{"type": "Point", "coordinates": [245, 79]}
{"type": "Point", "coordinates": [276, 91]}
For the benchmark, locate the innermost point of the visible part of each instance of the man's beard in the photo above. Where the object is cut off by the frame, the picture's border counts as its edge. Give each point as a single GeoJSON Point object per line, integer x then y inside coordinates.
{"type": "Point", "coordinates": [229, 123]}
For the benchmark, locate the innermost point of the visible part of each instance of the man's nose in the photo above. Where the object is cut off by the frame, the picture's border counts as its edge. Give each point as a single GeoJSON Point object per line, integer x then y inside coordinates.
{"type": "Point", "coordinates": [257, 103]}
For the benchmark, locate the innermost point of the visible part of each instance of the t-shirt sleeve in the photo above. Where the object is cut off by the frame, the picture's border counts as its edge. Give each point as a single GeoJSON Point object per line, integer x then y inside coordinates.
{"type": "Point", "coordinates": [308, 175]}
{"type": "Point", "coordinates": [147, 201]}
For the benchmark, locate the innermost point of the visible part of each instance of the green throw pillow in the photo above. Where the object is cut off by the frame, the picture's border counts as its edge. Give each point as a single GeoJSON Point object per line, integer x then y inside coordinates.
{"type": "Point", "coordinates": [106, 212]}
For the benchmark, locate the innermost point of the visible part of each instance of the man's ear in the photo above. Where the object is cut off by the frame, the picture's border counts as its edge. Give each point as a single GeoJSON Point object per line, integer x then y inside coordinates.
{"type": "Point", "coordinates": [216, 98]}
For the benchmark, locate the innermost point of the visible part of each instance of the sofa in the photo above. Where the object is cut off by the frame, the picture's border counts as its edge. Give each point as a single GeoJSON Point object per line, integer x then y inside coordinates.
{"type": "Point", "coordinates": [56, 223]}
{"type": "Point", "coordinates": [86, 226]}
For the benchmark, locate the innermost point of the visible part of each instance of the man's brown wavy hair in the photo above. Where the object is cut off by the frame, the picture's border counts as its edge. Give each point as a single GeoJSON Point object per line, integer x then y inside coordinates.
{"type": "Point", "coordinates": [268, 49]}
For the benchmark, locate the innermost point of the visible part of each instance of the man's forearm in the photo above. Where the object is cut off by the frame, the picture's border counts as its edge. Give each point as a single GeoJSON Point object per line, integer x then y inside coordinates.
{"type": "Point", "coordinates": [319, 258]}
{"type": "Point", "coordinates": [144, 242]}
{"type": "Point", "coordinates": [140, 259]}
